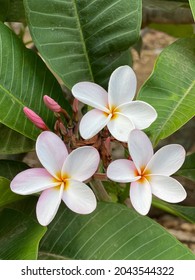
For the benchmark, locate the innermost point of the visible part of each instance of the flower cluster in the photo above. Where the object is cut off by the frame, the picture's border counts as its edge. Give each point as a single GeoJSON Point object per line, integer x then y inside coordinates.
{"type": "Point", "coordinates": [116, 117]}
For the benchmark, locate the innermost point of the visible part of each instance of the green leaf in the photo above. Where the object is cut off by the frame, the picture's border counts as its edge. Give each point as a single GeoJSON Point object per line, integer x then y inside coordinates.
{"type": "Point", "coordinates": [10, 168]}
{"type": "Point", "coordinates": [81, 40]}
{"type": "Point", "coordinates": [112, 231]}
{"type": "Point", "coordinates": [19, 236]}
{"type": "Point", "coordinates": [179, 31]}
{"type": "Point", "coordinates": [6, 195]}
{"type": "Point", "coordinates": [13, 142]}
{"type": "Point", "coordinates": [184, 212]}
{"type": "Point", "coordinates": [188, 168]}
{"type": "Point", "coordinates": [24, 79]}
{"type": "Point", "coordinates": [192, 6]}
{"type": "Point", "coordinates": [171, 89]}
{"type": "Point", "coordinates": [12, 10]}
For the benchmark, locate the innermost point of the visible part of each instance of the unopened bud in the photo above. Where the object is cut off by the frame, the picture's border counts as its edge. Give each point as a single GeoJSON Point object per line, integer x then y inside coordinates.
{"type": "Point", "coordinates": [34, 118]}
{"type": "Point", "coordinates": [51, 104]}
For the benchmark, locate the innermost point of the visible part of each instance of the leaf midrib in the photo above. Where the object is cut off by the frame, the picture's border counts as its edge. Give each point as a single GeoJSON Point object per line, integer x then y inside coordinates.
{"type": "Point", "coordinates": [82, 39]}
{"type": "Point", "coordinates": [173, 112]}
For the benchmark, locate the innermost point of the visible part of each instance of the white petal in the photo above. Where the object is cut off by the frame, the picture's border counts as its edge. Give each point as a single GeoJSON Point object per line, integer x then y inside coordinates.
{"type": "Point", "coordinates": [141, 196]}
{"type": "Point", "coordinates": [167, 160]}
{"type": "Point", "coordinates": [123, 171]}
{"type": "Point", "coordinates": [31, 181]}
{"type": "Point", "coordinates": [48, 204]}
{"type": "Point", "coordinates": [79, 197]}
{"type": "Point", "coordinates": [82, 163]}
{"type": "Point", "coordinates": [92, 123]}
{"type": "Point", "coordinates": [140, 149]}
{"type": "Point", "coordinates": [51, 152]}
{"type": "Point", "coordinates": [92, 95]}
{"type": "Point", "coordinates": [122, 86]}
{"type": "Point", "coordinates": [167, 188]}
{"type": "Point", "coordinates": [120, 127]}
{"type": "Point", "coordinates": [140, 113]}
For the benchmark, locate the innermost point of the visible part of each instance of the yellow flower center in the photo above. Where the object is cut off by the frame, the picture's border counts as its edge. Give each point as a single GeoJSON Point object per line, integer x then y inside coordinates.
{"type": "Point", "coordinates": [62, 178]}
{"type": "Point", "coordinates": [112, 111]}
{"type": "Point", "coordinates": [145, 174]}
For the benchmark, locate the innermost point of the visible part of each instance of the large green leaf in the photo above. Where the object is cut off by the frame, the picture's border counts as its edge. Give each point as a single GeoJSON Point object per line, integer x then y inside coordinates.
{"type": "Point", "coordinates": [83, 40]}
{"type": "Point", "coordinates": [171, 89]}
{"type": "Point", "coordinates": [10, 168]}
{"type": "Point", "coordinates": [24, 79]}
{"type": "Point", "coordinates": [12, 10]}
{"type": "Point", "coordinates": [19, 236]}
{"type": "Point", "coordinates": [6, 195]}
{"type": "Point", "coordinates": [192, 6]}
{"type": "Point", "coordinates": [184, 212]}
{"type": "Point", "coordinates": [111, 232]}
{"type": "Point", "coordinates": [12, 142]}
{"type": "Point", "coordinates": [188, 168]}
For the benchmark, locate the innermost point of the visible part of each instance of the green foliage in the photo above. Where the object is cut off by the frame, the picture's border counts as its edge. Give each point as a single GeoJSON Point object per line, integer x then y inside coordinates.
{"type": "Point", "coordinates": [192, 6]}
{"type": "Point", "coordinates": [171, 89]}
{"type": "Point", "coordinates": [76, 41]}
{"type": "Point", "coordinates": [111, 232]}
{"type": "Point", "coordinates": [19, 236]}
{"type": "Point", "coordinates": [188, 168]}
{"type": "Point", "coordinates": [24, 79]}
{"type": "Point", "coordinates": [81, 40]}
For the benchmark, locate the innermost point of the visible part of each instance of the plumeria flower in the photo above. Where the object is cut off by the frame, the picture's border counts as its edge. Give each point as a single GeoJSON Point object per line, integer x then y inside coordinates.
{"type": "Point", "coordinates": [115, 108]}
{"type": "Point", "coordinates": [148, 172]}
{"type": "Point", "coordinates": [61, 178]}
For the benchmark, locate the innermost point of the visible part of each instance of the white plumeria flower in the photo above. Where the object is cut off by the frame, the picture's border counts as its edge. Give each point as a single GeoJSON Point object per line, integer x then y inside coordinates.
{"type": "Point", "coordinates": [115, 108]}
{"type": "Point", "coordinates": [61, 178]}
{"type": "Point", "coordinates": [148, 172]}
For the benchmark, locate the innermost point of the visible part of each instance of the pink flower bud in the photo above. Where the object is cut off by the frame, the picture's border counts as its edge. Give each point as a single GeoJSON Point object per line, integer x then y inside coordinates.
{"type": "Point", "coordinates": [51, 104]}
{"type": "Point", "coordinates": [34, 118]}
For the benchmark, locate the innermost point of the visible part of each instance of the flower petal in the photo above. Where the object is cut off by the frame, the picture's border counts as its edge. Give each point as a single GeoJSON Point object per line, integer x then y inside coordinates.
{"type": "Point", "coordinates": [79, 197]}
{"type": "Point", "coordinates": [122, 86]}
{"type": "Point", "coordinates": [140, 113]}
{"type": "Point", "coordinates": [140, 149]}
{"type": "Point", "coordinates": [120, 127]}
{"type": "Point", "coordinates": [122, 170]}
{"type": "Point", "coordinates": [51, 152]}
{"type": "Point", "coordinates": [167, 160]}
{"type": "Point", "coordinates": [92, 95]}
{"type": "Point", "coordinates": [92, 123]}
{"type": "Point", "coordinates": [167, 188]}
{"type": "Point", "coordinates": [48, 204]}
{"type": "Point", "coordinates": [31, 181]}
{"type": "Point", "coordinates": [81, 163]}
{"type": "Point", "coordinates": [141, 196]}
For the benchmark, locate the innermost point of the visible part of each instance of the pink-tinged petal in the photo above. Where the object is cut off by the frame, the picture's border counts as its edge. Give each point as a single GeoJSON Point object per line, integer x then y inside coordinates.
{"type": "Point", "coordinates": [79, 197]}
{"type": "Point", "coordinates": [92, 123]}
{"type": "Point", "coordinates": [122, 86]}
{"type": "Point", "coordinates": [81, 163]}
{"type": "Point", "coordinates": [51, 152]}
{"type": "Point", "coordinates": [122, 171]}
{"type": "Point", "coordinates": [140, 113]}
{"type": "Point", "coordinates": [140, 149]}
{"type": "Point", "coordinates": [120, 127]}
{"type": "Point", "coordinates": [48, 204]}
{"type": "Point", "coordinates": [91, 94]}
{"type": "Point", "coordinates": [141, 196]}
{"type": "Point", "coordinates": [167, 160]}
{"type": "Point", "coordinates": [167, 188]}
{"type": "Point", "coordinates": [32, 181]}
